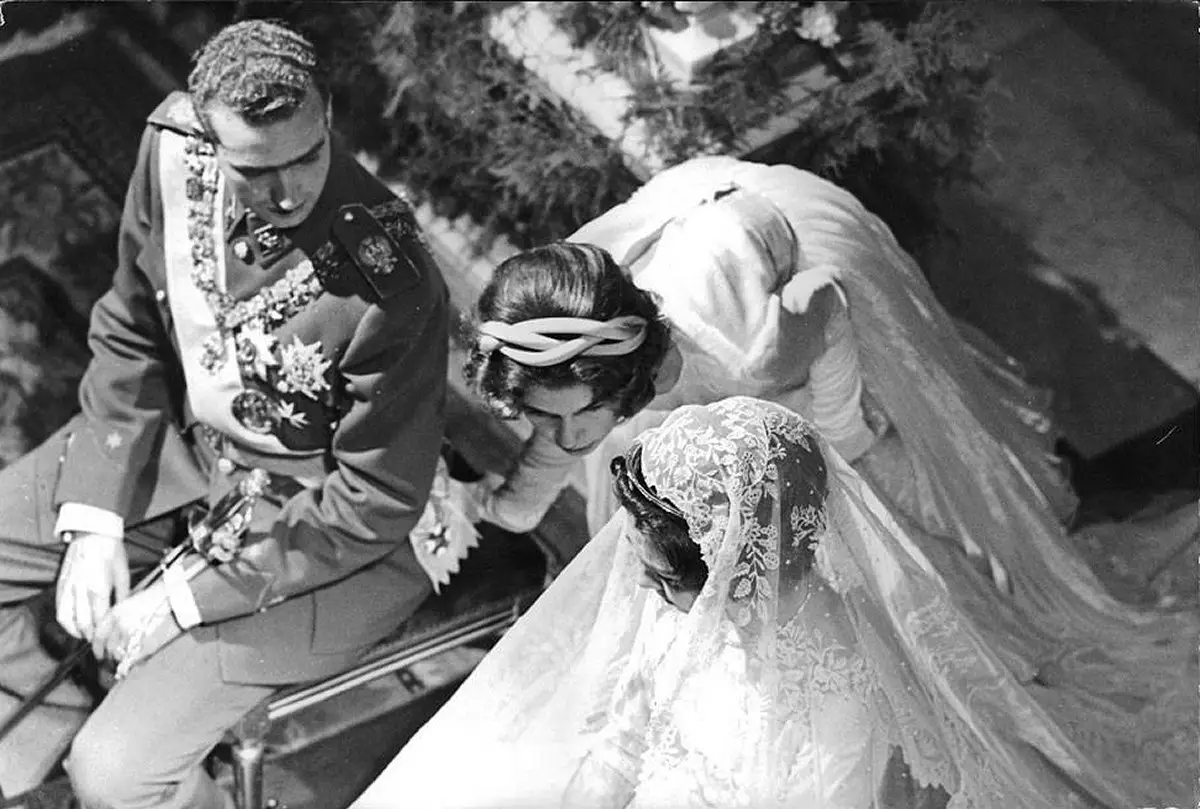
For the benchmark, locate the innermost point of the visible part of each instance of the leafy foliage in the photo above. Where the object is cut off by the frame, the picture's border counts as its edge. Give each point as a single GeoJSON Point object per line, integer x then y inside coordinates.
{"type": "Point", "coordinates": [906, 119]}
{"type": "Point", "coordinates": [453, 116]}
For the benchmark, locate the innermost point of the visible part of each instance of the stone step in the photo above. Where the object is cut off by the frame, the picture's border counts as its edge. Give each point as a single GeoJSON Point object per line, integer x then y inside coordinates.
{"type": "Point", "coordinates": [528, 32]}
{"type": "Point", "coordinates": [1102, 178]}
{"type": "Point", "coordinates": [1079, 251]}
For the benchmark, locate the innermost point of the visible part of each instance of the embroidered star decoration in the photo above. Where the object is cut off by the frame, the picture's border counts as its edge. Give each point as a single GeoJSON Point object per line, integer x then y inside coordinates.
{"type": "Point", "coordinates": [287, 412]}
{"type": "Point", "coordinates": [437, 542]}
{"type": "Point", "coordinates": [113, 441]}
{"type": "Point", "coordinates": [302, 369]}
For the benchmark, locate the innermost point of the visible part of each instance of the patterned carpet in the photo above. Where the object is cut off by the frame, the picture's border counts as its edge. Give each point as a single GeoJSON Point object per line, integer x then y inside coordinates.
{"type": "Point", "coordinates": [68, 142]}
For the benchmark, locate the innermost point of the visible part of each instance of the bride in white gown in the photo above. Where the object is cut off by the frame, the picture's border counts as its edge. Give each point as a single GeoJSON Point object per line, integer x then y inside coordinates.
{"type": "Point", "coordinates": [752, 630]}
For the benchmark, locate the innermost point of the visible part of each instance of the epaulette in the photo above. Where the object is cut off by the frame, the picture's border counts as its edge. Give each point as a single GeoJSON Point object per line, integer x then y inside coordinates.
{"type": "Point", "coordinates": [177, 114]}
{"type": "Point", "coordinates": [385, 244]}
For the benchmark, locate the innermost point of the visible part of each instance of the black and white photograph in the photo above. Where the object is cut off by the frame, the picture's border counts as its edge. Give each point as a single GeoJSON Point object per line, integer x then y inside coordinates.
{"type": "Point", "coordinates": [600, 405]}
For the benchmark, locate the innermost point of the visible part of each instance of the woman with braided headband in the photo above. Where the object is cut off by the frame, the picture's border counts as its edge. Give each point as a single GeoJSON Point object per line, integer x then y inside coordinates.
{"type": "Point", "coordinates": [770, 282]}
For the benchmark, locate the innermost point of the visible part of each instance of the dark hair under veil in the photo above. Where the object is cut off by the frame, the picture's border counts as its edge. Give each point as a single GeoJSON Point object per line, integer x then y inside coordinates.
{"type": "Point", "coordinates": [823, 644]}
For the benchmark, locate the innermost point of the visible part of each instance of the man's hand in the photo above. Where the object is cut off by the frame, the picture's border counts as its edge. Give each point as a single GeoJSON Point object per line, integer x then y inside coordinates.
{"type": "Point", "coordinates": [136, 628]}
{"type": "Point", "coordinates": [94, 576]}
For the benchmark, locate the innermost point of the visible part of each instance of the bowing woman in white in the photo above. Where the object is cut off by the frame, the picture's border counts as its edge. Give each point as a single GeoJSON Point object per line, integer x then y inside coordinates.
{"type": "Point", "coordinates": [774, 283]}
{"type": "Point", "coordinates": [734, 278]}
{"type": "Point", "coordinates": [756, 631]}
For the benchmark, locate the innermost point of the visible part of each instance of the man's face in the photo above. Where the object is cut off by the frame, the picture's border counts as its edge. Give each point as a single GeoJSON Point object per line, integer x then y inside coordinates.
{"type": "Point", "coordinates": [277, 170]}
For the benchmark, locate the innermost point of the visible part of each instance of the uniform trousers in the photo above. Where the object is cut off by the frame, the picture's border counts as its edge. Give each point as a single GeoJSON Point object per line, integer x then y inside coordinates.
{"type": "Point", "coordinates": [144, 746]}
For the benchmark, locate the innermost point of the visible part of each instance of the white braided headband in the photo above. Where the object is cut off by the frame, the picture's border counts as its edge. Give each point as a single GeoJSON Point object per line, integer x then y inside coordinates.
{"type": "Point", "coordinates": [530, 342]}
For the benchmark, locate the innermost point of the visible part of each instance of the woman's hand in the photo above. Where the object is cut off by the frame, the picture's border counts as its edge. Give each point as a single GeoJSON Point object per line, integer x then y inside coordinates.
{"type": "Point", "coordinates": [597, 785]}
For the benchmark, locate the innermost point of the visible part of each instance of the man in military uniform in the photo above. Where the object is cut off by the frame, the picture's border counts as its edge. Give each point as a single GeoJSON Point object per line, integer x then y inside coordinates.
{"type": "Point", "coordinates": [273, 309]}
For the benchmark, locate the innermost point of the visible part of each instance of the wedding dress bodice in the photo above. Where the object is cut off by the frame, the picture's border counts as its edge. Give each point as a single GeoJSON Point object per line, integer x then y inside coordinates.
{"type": "Point", "coordinates": [697, 757]}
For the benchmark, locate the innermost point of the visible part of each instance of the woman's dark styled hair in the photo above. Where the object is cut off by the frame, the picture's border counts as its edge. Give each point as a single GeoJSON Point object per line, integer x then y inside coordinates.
{"type": "Point", "coordinates": [666, 533]}
{"type": "Point", "coordinates": [262, 70]}
{"type": "Point", "coordinates": [566, 280]}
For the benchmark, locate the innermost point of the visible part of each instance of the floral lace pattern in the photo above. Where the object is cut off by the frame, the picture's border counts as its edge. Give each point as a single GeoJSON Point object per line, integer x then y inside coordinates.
{"type": "Point", "coordinates": [751, 479]}
{"type": "Point", "coordinates": [815, 665]}
{"type": "Point", "coordinates": [850, 646]}
{"type": "Point", "coordinates": [1055, 696]}
{"type": "Point", "coordinates": [778, 687]}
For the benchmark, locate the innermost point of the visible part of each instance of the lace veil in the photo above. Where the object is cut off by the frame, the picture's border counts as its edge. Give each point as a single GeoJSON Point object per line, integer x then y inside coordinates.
{"type": "Point", "coordinates": [822, 622]}
{"type": "Point", "coordinates": [965, 462]}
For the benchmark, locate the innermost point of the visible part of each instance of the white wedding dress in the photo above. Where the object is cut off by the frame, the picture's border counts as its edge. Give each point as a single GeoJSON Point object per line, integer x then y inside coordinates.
{"type": "Point", "coordinates": [962, 459]}
{"type": "Point", "coordinates": [716, 716]}
{"type": "Point", "coordinates": [823, 644]}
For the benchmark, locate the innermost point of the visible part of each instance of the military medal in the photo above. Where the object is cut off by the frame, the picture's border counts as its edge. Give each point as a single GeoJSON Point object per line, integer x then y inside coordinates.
{"type": "Point", "coordinates": [437, 542]}
{"type": "Point", "coordinates": [381, 260]}
{"type": "Point", "coordinates": [376, 252]}
{"type": "Point", "coordinates": [271, 306]}
{"type": "Point", "coordinates": [443, 536]}
{"type": "Point", "coordinates": [302, 369]}
{"type": "Point", "coordinates": [272, 245]}
{"type": "Point", "coordinates": [256, 411]}
{"type": "Point", "coordinates": [294, 371]}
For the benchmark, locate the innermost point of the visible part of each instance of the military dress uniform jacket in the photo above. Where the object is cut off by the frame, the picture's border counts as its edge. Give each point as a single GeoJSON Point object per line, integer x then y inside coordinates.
{"type": "Point", "coordinates": [325, 365]}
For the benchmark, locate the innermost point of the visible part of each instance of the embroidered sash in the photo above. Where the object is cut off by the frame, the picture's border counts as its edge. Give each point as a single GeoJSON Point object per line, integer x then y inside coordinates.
{"type": "Point", "coordinates": [209, 394]}
{"type": "Point", "coordinates": [444, 535]}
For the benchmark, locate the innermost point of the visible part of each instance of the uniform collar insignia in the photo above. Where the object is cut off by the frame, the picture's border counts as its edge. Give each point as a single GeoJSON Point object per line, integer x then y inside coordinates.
{"type": "Point", "coordinates": [265, 243]}
{"type": "Point", "coordinates": [271, 306]}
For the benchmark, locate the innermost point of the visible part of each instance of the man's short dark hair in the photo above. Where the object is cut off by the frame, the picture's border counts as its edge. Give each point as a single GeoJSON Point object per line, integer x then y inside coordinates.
{"type": "Point", "coordinates": [262, 70]}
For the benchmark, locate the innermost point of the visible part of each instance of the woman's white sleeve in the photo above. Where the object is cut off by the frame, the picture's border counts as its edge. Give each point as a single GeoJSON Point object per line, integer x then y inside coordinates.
{"type": "Point", "coordinates": [836, 384]}
{"type": "Point", "coordinates": [519, 502]}
{"type": "Point", "coordinates": [621, 745]}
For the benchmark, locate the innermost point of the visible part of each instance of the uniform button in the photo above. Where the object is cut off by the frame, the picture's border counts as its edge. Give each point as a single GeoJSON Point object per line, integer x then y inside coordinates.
{"type": "Point", "coordinates": [160, 295]}
{"type": "Point", "coordinates": [241, 249]}
{"type": "Point", "coordinates": [224, 466]}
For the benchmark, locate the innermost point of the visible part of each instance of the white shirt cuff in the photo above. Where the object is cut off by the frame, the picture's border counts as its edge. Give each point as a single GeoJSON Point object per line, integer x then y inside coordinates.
{"type": "Point", "coordinates": [179, 594]}
{"type": "Point", "coordinates": [83, 519]}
